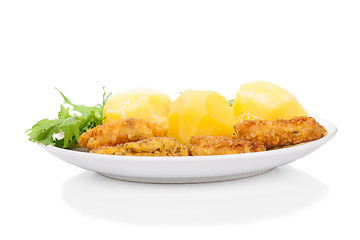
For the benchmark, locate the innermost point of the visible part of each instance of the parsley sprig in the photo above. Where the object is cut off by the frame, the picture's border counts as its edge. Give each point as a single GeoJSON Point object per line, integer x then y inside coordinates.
{"type": "Point", "coordinates": [65, 131]}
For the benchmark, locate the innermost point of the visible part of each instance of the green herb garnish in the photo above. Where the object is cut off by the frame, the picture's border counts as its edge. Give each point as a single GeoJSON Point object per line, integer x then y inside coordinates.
{"type": "Point", "coordinates": [65, 131]}
{"type": "Point", "coordinates": [231, 102]}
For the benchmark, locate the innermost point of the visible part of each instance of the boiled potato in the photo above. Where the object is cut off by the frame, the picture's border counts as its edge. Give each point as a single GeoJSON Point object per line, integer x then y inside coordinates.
{"type": "Point", "coordinates": [140, 103]}
{"type": "Point", "coordinates": [200, 113]}
{"type": "Point", "coordinates": [263, 100]}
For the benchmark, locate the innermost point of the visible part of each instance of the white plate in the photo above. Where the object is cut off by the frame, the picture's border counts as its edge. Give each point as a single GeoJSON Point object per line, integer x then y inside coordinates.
{"type": "Point", "coordinates": [190, 169]}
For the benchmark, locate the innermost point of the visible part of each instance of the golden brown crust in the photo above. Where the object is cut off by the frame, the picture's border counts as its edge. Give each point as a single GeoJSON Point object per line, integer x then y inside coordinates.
{"type": "Point", "coordinates": [219, 145]}
{"type": "Point", "coordinates": [281, 132]}
{"type": "Point", "coordinates": [155, 146]}
{"type": "Point", "coordinates": [118, 132]}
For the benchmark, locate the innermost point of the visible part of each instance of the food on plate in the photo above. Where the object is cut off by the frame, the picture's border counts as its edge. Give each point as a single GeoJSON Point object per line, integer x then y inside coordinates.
{"type": "Point", "coordinates": [267, 101]}
{"type": "Point", "coordinates": [155, 146]}
{"type": "Point", "coordinates": [120, 131]}
{"type": "Point", "coordinates": [219, 145]}
{"type": "Point", "coordinates": [200, 113]}
{"type": "Point", "coordinates": [65, 130]}
{"type": "Point", "coordinates": [144, 122]}
{"type": "Point", "coordinates": [281, 132]}
{"type": "Point", "coordinates": [143, 103]}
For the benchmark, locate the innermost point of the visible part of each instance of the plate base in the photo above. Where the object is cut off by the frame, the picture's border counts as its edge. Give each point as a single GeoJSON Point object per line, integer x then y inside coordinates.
{"type": "Point", "coordinates": [185, 180]}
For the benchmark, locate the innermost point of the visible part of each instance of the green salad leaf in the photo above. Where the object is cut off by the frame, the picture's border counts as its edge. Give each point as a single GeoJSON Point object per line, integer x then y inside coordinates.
{"type": "Point", "coordinates": [65, 131]}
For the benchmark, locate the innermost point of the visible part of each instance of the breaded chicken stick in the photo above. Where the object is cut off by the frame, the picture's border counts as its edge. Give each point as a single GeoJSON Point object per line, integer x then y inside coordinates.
{"type": "Point", "coordinates": [118, 132]}
{"type": "Point", "coordinates": [156, 146]}
{"type": "Point", "coordinates": [280, 133]}
{"type": "Point", "coordinates": [218, 145]}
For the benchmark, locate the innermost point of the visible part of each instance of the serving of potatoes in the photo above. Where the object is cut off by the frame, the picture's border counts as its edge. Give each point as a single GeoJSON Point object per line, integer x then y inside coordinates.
{"type": "Point", "coordinates": [204, 112]}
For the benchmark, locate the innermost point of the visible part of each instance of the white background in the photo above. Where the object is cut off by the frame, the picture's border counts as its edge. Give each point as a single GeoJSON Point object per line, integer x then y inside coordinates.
{"type": "Point", "coordinates": [310, 48]}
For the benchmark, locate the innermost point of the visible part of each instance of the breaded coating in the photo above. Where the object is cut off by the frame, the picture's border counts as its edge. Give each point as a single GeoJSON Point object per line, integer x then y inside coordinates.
{"type": "Point", "coordinates": [118, 132]}
{"type": "Point", "coordinates": [281, 132]}
{"type": "Point", "coordinates": [219, 145]}
{"type": "Point", "coordinates": [155, 146]}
